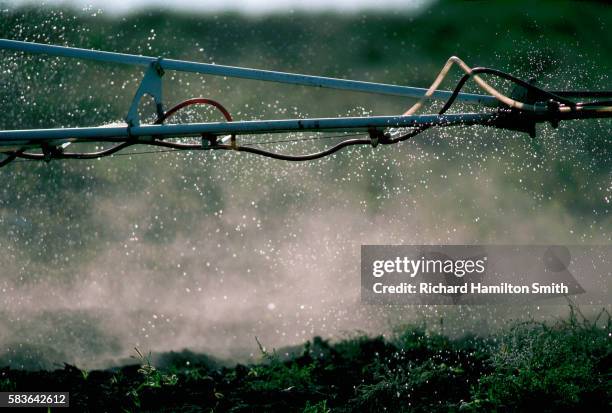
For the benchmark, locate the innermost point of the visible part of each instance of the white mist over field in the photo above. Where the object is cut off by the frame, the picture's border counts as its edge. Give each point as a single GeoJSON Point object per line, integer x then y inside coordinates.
{"type": "Point", "coordinates": [241, 274]}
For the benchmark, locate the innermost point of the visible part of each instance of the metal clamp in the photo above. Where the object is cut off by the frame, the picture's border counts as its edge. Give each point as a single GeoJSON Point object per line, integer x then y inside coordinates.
{"type": "Point", "coordinates": [376, 135]}
{"type": "Point", "coordinates": [208, 141]}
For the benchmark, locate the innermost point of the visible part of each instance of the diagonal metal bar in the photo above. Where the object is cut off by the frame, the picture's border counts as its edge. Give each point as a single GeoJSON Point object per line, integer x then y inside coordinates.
{"type": "Point", "coordinates": [242, 72]}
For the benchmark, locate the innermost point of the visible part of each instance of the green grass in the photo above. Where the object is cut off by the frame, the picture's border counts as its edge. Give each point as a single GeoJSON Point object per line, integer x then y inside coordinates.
{"type": "Point", "coordinates": [551, 367]}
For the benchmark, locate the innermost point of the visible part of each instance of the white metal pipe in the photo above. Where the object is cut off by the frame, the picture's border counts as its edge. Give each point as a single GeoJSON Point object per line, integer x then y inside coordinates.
{"type": "Point", "coordinates": [16, 137]}
{"type": "Point", "coordinates": [241, 72]}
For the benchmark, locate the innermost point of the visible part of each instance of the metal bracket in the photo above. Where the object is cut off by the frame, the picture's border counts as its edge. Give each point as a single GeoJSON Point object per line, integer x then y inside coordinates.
{"type": "Point", "coordinates": [151, 85]}
{"type": "Point", "coordinates": [51, 151]}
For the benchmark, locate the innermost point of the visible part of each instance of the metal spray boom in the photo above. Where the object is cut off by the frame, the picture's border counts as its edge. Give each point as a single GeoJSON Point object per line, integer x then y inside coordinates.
{"type": "Point", "coordinates": [528, 105]}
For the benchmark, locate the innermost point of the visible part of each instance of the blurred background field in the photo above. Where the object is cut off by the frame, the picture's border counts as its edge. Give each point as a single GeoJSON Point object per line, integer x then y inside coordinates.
{"type": "Point", "coordinates": [205, 251]}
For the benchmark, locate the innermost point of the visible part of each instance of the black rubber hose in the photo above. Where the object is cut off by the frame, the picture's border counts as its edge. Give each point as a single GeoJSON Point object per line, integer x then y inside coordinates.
{"type": "Point", "coordinates": [507, 76]}
{"type": "Point", "coordinates": [584, 93]}
{"type": "Point", "coordinates": [263, 152]}
{"type": "Point", "coordinates": [76, 155]}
